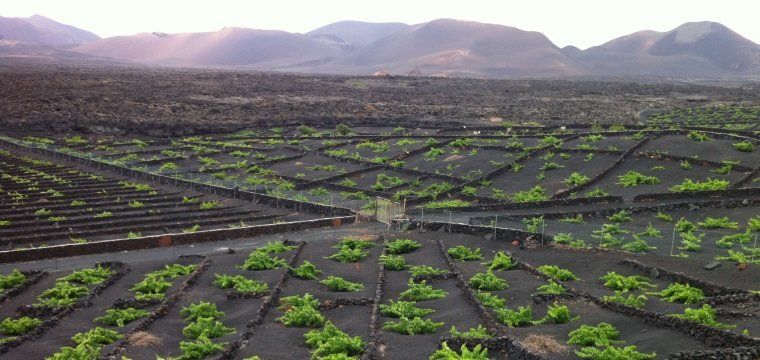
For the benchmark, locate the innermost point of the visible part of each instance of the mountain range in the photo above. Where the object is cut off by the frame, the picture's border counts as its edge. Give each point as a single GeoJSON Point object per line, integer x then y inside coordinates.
{"type": "Point", "coordinates": [443, 47]}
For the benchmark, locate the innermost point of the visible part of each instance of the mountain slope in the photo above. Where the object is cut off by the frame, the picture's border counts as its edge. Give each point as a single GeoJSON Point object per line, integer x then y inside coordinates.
{"type": "Point", "coordinates": [226, 47]}
{"type": "Point", "coordinates": [68, 33]}
{"type": "Point", "coordinates": [697, 49]}
{"type": "Point", "coordinates": [357, 33]}
{"type": "Point", "coordinates": [462, 47]}
{"type": "Point", "coordinates": [39, 30]}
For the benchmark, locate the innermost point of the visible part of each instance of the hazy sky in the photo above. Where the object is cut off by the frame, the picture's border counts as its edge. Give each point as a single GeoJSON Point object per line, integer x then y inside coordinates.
{"type": "Point", "coordinates": [582, 23]}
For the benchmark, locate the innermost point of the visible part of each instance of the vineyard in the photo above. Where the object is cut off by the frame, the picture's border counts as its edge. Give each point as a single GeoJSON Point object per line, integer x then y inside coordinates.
{"type": "Point", "coordinates": [517, 241]}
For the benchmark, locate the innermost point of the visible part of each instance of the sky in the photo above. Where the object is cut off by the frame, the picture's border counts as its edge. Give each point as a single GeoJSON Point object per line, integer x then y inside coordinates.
{"type": "Point", "coordinates": [583, 23]}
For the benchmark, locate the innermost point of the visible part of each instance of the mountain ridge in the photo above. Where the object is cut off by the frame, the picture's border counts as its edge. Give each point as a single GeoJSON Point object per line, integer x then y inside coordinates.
{"type": "Point", "coordinates": [441, 47]}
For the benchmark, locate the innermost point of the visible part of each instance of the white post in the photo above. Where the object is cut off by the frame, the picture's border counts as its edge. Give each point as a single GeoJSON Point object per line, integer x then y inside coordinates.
{"type": "Point", "coordinates": [673, 240]}
{"type": "Point", "coordinates": [495, 221]}
{"type": "Point", "coordinates": [543, 228]}
{"type": "Point", "coordinates": [422, 220]}
{"type": "Point", "coordinates": [449, 221]}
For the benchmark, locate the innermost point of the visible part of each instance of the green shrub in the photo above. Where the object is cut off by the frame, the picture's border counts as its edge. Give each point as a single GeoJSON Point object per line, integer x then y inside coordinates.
{"type": "Point", "coordinates": [557, 314]}
{"type": "Point", "coordinates": [533, 225]}
{"type": "Point", "coordinates": [477, 333]}
{"type": "Point", "coordinates": [704, 315]}
{"type": "Point", "coordinates": [597, 192]}
{"type": "Point", "coordinates": [354, 243]}
{"type": "Point", "coordinates": [637, 246]}
{"type": "Point", "coordinates": [240, 284]}
{"type": "Point", "coordinates": [463, 253]}
{"type": "Point", "coordinates": [623, 283]}
{"type": "Point", "coordinates": [744, 146]}
{"type": "Point", "coordinates": [421, 292]}
{"type": "Point", "coordinates": [331, 342]}
{"type": "Point", "coordinates": [650, 231]}
{"type": "Point", "coordinates": [563, 238]}
{"type": "Point", "coordinates": [632, 300]}
{"type": "Point", "coordinates": [551, 288]}
{"type": "Point", "coordinates": [121, 317]}
{"type": "Point", "coordinates": [490, 300]}
{"type": "Point", "coordinates": [203, 309]}
{"type": "Point", "coordinates": [698, 136]}
{"type": "Point", "coordinates": [97, 336]}
{"type": "Point", "coordinates": [718, 223]}
{"type": "Point", "coordinates": [413, 326]}
{"type": "Point", "coordinates": [301, 311]}
{"type": "Point", "coordinates": [708, 185]}
{"type": "Point", "coordinates": [664, 217]}
{"type": "Point", "coordinates": [488, 281]}
{"type": "Point", "coordinates": [691, 242]}
{"type": "Point", "coordinates": [753, 224]}
{"type": "Point", "coordinates": [550, 141]}
{"type": "Point", "coordinates": [603, 334]}
{"type": "Point", "coordinates": [557, 273]}
{"type": "Point", "coordinates": [336, 283]}
{"type": "Point", "coordinates": [446, 353]}
{"type": "Point", "coordinates": [523, 316]}
{"type": "Point", "coordinates": [82, 351]}
{"type": "Point", "coordinates": [402, 246]}
{"type": "Point", "coordinates": [20, 326]}
{"type": "Point", "coordinates": [307, 271]}
{"type": "Point", "coordinates": [63, 294]}
{"type": "Point", "coordinates": [274, 247]}
{"type": "Point", "coordinates": [393, 262]}
{"type": "Point", "coordinates": [12, 280]}
{"type": "Point", "coordinates": [577, 219]}
{"type": "Point", "coordinates": [681, 293]}
{"type": "Point", "coordinates": [613, 353]}
{"type": "Point", "coordinates": [407, 309]}
{"type": "Point", "coordinates": [298, 301]}
{"type": "Point", "coordinates": [425, 270]}
{"type": "Point", "coordinates": [501, 261]}
{"type": "Point", "coordinates": [619, 217]}
{"type": "Point", "coordinates": [207, 327]}
{"type": "Point", "coordinates": [90, 276]}
{"type": "Point", "coordinates": [728, 241]}
{"type": "Point", "coordinates": [576, 179]}
{"type": "Point", "coordinates": [261, 260]}
{"type": "Point", "coordinates": [633, 178]}
{"type": "Point", "coordinates": [348, 255]}
{"type": "Point", "coordinates": [685, 226]}
{"type": "Point", "coordinates": [200, 348]}
{"type": "Point", "coordinates": [447, 204]}
{"type": "Point", "coordinates": [535, 194]}
{"type": "Point", "coordinates": [152, 287]}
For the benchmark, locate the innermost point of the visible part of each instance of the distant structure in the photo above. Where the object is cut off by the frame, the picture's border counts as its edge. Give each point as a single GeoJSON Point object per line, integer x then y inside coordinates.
{"type": "Point", "coordinates": [381, 73]}
{"type": "Point", "coordinates": [415, 72]}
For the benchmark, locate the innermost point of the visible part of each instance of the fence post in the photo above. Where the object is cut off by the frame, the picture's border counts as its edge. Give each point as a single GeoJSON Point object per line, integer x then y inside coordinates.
{"type": "Point", "coordinates": [673, 240]}
{"type": "Point", "coordinates": [449, 221]}
{"type": "Point", "coordinates": [495, 221]}
{"type": "Point", "coordinates": [422, 220]}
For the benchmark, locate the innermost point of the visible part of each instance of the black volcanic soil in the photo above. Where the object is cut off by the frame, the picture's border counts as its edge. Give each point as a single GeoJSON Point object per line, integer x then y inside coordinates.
{"type": "Point", "coordinates": [170, 101]}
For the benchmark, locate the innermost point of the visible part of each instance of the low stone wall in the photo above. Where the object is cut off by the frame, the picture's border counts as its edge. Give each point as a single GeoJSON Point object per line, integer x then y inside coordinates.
{"type": "Point", "coordinates": [599, 176]}
{"type": "Point", "coordinates": [720, 203]}
{"type": "Point", "coordinates": [499, 234]}
{"type": "Point", "coordinates": [166, 240]}
{"type": "Point", "coordinates": [531, 205]}
{"type": "Point", "coordinates": [744, 192]}
{"type": "Point", "coordinates": [163, 179]}
{"type": "Point", "coordinates": [709, 288]}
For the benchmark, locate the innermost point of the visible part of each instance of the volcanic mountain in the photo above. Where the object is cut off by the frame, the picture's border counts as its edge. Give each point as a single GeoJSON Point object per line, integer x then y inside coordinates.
{"type": "Point", "coordinates": [39, 30]}
{"type": "Point", "coordinates": [695, 49]}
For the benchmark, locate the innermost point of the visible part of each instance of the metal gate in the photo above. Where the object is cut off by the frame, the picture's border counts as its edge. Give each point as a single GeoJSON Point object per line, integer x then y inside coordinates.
{"type": "Point", "coordinates": [388, 210]}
